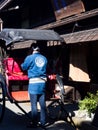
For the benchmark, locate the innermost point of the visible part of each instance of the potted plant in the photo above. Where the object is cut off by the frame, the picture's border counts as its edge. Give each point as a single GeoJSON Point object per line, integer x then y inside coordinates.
{"type": "Point", "coordinates": [89, 103]}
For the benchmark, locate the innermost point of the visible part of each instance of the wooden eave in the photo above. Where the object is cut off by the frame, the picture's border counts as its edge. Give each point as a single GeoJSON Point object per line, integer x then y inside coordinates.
{"type": "Point", "coordinates": [81, 36]}
{"type": "Point", "coordinates": [21, 45]}
{"type": "Point", "coordinates": [70, 19]}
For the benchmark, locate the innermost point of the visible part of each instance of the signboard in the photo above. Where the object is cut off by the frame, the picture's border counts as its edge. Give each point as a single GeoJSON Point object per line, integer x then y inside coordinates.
{"type": "Point", "coordinates": [65, 8]}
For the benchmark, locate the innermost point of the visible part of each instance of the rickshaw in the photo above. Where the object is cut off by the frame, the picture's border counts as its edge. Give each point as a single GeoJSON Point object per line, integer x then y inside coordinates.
{"type": "Point", "coordinates": [14, 47]}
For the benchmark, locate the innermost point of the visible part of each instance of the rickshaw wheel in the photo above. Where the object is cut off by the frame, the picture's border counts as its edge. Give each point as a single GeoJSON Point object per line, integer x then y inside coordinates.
{"type": "Point", "coordinates": [2, 102]}
{"type": "Point", "coordinates": [54, 109]}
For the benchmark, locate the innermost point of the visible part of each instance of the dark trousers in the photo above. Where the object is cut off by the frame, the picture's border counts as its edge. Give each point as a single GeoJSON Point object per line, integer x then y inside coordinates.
{"type": "Point", "coordinates": [34, 98]}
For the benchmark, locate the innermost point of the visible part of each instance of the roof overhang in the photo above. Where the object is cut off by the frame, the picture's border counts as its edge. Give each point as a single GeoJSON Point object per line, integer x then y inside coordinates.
{"type": "Point", "coordinates": [81, 36]}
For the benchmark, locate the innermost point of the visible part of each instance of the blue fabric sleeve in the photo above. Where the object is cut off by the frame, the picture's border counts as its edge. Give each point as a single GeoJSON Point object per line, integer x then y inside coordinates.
{"type": "Point", "coordinates": [26, 63]}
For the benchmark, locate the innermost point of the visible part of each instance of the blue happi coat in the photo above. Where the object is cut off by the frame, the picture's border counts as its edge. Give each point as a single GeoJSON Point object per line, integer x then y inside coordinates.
{"type": "Point", "coordinates": [36, 66]}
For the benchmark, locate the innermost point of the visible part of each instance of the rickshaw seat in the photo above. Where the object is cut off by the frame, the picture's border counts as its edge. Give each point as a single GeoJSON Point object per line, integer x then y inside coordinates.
{"type": "Point", "coordinates": [13, 69]}
{"type": "Point", "coordinates": [20, 96]}
{"type": "Point", "coordinates": [17, 79]}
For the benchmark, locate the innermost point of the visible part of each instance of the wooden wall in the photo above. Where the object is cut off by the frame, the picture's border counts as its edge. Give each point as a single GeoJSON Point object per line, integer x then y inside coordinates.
{"type": "Point", "coordinates": [78, 70]}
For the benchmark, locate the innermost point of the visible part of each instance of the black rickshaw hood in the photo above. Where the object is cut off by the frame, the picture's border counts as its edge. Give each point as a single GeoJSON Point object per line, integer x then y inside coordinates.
{"type": "Point", "coordinates": [17, 35]}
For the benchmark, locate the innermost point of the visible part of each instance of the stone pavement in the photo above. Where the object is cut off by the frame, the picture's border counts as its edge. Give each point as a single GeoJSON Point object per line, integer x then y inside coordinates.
{"type": "Point", "coordinates": [14, 119]}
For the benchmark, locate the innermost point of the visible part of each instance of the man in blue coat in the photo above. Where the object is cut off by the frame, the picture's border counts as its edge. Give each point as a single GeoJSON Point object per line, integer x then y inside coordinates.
{"type": "Point", "coordinates": [36, 66]}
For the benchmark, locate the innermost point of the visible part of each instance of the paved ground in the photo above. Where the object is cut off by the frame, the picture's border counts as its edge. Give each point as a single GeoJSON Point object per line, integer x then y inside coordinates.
{"type": "Point", "coordinates": [14, 119]}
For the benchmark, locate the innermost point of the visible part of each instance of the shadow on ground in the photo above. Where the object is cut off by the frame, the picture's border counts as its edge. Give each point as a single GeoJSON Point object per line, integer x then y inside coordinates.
{"type": "Point", "coordinates": [16, 120]}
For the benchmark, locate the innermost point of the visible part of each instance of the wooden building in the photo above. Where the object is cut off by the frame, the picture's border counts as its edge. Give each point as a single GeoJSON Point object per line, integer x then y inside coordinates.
{"type": "Point", "coordinates": [75, 20]}
{"type": "Point", "coordinates": [81, 36]}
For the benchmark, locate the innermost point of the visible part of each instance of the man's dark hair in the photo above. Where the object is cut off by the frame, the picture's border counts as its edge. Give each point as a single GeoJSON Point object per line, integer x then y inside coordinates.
{"type": "Point", "coordinates": [35, 47]}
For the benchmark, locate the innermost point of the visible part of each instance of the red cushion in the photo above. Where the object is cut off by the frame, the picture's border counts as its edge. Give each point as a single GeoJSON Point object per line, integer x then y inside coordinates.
{"type": "Point", "coordinates": [19, 77]}
{"type": "Point", "coordinates": [12, 65]}
{"type": "Point", "coordinates": [13, 69]}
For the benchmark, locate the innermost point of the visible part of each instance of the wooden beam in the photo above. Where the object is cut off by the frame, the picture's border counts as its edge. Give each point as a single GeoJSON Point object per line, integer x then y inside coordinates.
{"type": "Point", "coordinates": [70, 19]}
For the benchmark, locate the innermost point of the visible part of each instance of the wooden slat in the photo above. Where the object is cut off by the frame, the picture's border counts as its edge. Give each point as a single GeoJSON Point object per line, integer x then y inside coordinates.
{"type": "Point", "coordinates": [81, 36]}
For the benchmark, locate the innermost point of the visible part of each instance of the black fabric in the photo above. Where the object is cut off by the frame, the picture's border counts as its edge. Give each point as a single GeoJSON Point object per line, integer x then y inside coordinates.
{"type": "Point", "coordinates": [15, 35]}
